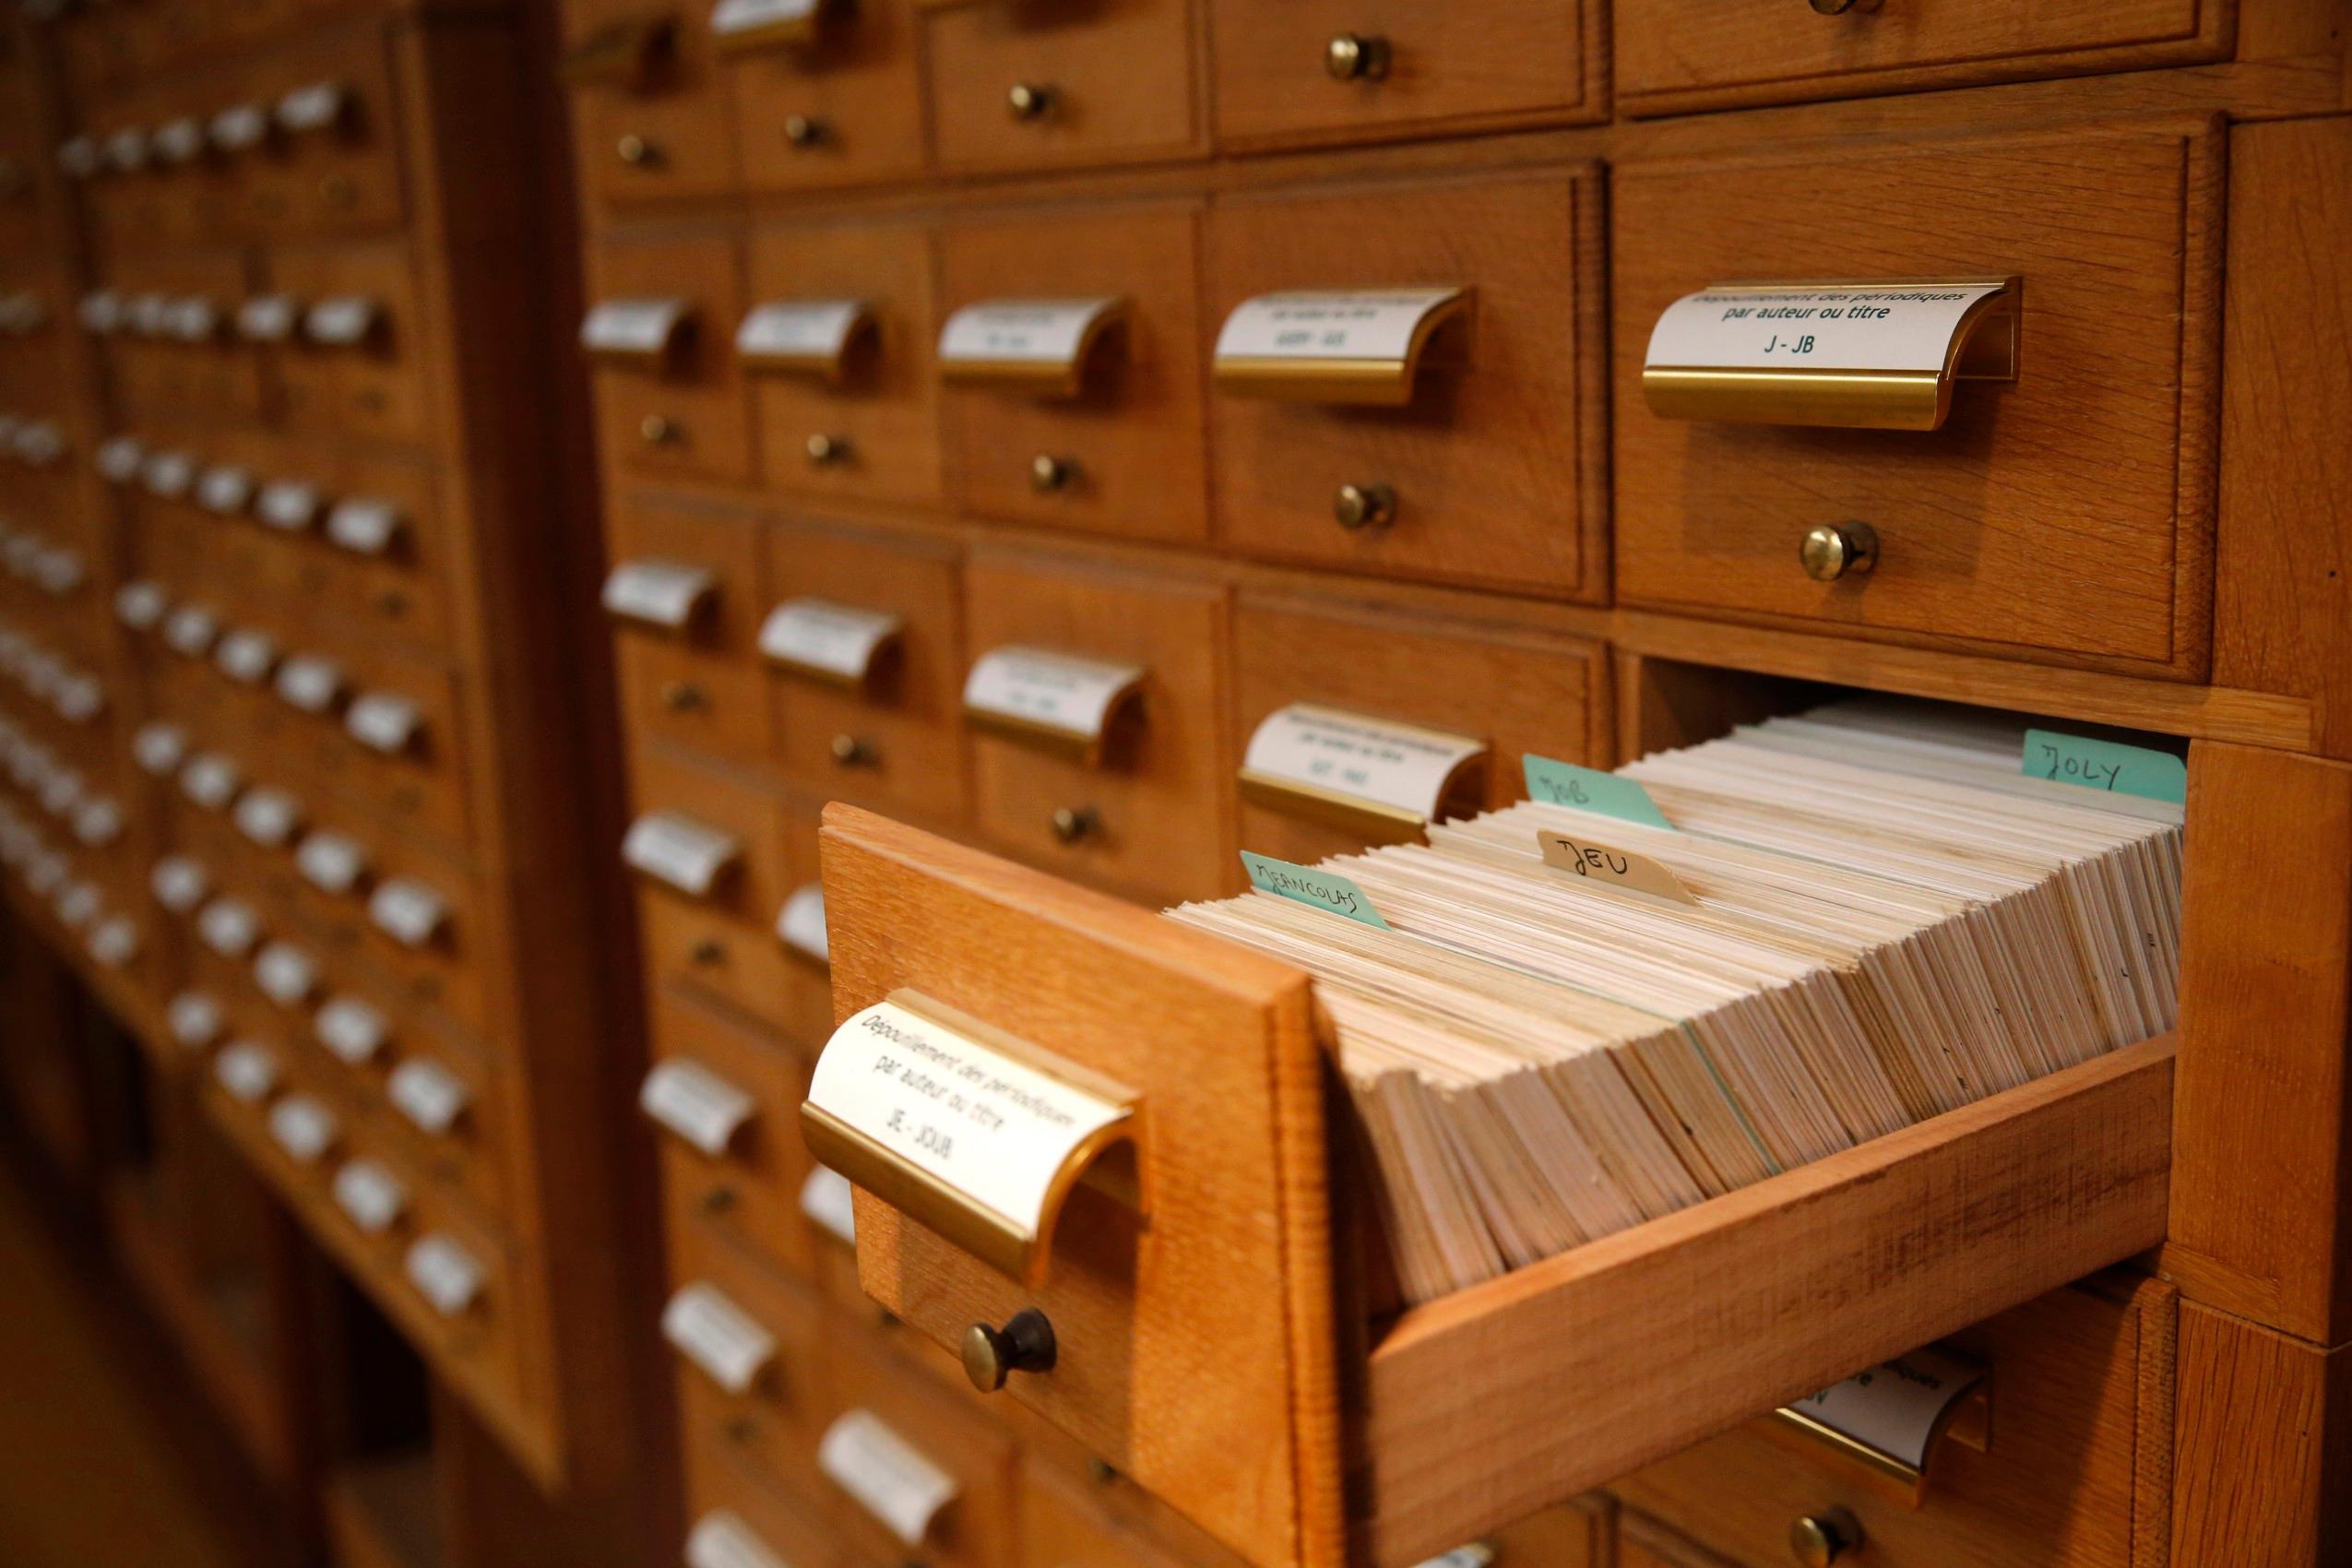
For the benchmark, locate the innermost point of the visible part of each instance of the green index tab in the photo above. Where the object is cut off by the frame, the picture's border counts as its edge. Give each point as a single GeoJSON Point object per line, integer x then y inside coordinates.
{"type": "Point", "coordinates": [1319, 890]}
{"type": "Point", "coordinates": [1588, 788]}
{"type": "Point", "coordinates": [2105, 764]}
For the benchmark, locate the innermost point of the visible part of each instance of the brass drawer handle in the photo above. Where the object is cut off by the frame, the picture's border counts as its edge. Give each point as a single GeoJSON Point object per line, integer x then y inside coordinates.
{"type": "Point", "coordinates": [1072, 824]}
{"type": "Point", "coordinates": [1363, 57]}
{"type": "Point", "coordinates": [825, 451]}
{"type": "Point", "coordinates": [1023, 1344]}
{"type": "Point", "coordinates": [1030, 101]}
{"type": "Point", "coordinates": [1818, 1540]}
{"type": "Point", "coordinates": [1049, 473]}
{"type": "Point", "coordinates": [639, 152]}
{"type": "Point", "coordinates": [685, 696]}
{"type": "Point", "coordinates": [806, 131]}
{"type": "Point", "coordinates": [1831, 552]}
{"type": "Point", "coordinates": [1365, 505]}
{"type": "Point", "coordinates": [851, 752]}
{"type": "Point", "coordinates": [660, 429]}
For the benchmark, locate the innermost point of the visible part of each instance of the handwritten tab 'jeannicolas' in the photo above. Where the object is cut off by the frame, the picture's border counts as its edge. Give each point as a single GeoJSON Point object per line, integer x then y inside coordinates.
{"type": "Point", "coordinates": [1317, 889]}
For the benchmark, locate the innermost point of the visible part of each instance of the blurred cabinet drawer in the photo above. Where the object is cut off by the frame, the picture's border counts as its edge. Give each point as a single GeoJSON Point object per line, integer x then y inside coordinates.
{"type": "Point", "coordinates": [837, 349]}
{"type": "Point", "coordinates": [684, 599]}
{"type": "Point", "coordinates": [842, 109]}
{"type": "Point", "coordinates": [371, 552]}
{"type": "Point", "coordinates": [1677, 55]}
{"type": "Point", "coordinates": [670, 399]}
{"type": "Point", "coordinates": [1062, 1527]}
{"type": "Point", "coordinates": [2067, 513]}
{"type": "Point", "coordinates": [168, 348]}
{"type": "Point", "coordinates": [1052, 83]}
{"type": "Point", "coordinates": [1118, 449]}
{"type": "Point", "coordinates": [1514, 690]}
{"type": "Point", "coordinates": [734, 1513]}
{"type": "Point", "coordinates": [1486, 463]}
{"type": "Point", "coordinates": [332, 160]}
{"type": "Point", "coordinates": [1333, 69]}
{"type": "Point", "coordinates": [446, 1106]}
{"type": "Point", "coordinates": [650, 108]}
{"type": "Point", "coordinates": [911, 1474]}
{"type": "Point", "coordinates": [1143, 808]}
{"type": "Point", "coordinates": [864, 651]}
{"type": "Point", "coordinates": [396, 749]}
{"type": "Point", "coordinates": [356, 363]}
{"type": "Point", "coordinates": [757, 1363]}
{"type": "Point", "coordinates": [708, 915]}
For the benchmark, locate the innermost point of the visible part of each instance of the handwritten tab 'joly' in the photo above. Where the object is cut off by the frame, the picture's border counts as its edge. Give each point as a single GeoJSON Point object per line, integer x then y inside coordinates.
{"type": "Point", "coordinates": [1588, 788]}
{"type": "Point", "coordinates": [1317, 889]}
{"type": "Point", "coordinates": [1607, 867]}
{"type": "Point", "coordinates": [2107, 765]}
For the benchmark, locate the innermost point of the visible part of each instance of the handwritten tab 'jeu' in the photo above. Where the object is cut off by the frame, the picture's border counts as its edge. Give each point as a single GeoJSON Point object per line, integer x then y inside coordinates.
{"type": "Point", "coordinates": [2107, 766]}
{"type": "Point", "coordinates": [1588, 788]}
{"type": "Point", "coordinates": [1620, 869]}
{"type": "Point", "coordinates": [1317, 889]}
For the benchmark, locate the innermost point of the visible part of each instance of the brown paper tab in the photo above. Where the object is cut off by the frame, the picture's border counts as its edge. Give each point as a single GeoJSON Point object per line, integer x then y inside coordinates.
{"type": "Point", "coordinates": [1598, 862]}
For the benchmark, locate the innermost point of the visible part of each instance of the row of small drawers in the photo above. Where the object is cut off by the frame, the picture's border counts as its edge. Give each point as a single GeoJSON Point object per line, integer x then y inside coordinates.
{"type": "Point", "coordinates": [1497, 473]}
{"type": "Point", "coordinates": [98, 45]}
{"type": "Point", "coordinates": [60, 878]}
{"type": "Point", "coordinates": [697, 99]}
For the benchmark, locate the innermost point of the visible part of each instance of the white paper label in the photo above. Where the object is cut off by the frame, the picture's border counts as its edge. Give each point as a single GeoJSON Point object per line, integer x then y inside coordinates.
{"type": "Point", "coordinates": [120, 459]}
{"type": "Point", "coordinates": [267, 318]}
{"type": "Point", "coordinates": [731, 17]}
{"type": "Point", "coordinates": [246, 656]}
{"type": "Point", "coordinates": [169, 474]}
{"type": "Point", "coordinates": [303, 1128]}
{"type": "Point", "coordinates": [180, 141]}
{"type": "Point", "coordinates": [382, 722]}
{"type": "Point", "coordinates": [286, 974]}
{"type": "Point", "coordinates": [268, 817]}
{"type": "Point", "coordinates": [1893, 1407]}
{"type": "Point", "coordinates": [61, 793]}
{"type": "Point", "coordinates": [178, 884]}
{"type": "Point", "coordinates": [1037, 332]}
{"type": "Point", "coordinates": [190, 630]}
{"type": "Point", "coordinates": [350, 1029]}
{"type": "Point", "coordinates": [1389, 764]}
{"type": "Point", "coordinates": [193, 320]}
{"type": "Point", "coordinates": [158, 748]}
{"type": "Point", "coordinates": [840, 640]}
{"type": "Point", "coordinates": [210, 780]}
{"type": "Point", "coordinates": [58, 571]}
{"type": "Point", "coordinates": [428, 1093]}
{"type": "Point", "coordinates": [632, 327]}
{"type": "Point", "coordinates": [341, 322]}
{"type": "Point", "coordinates": [150, 315]}
{"type": "Point", "coordinates": [79, 158]}
{"type": "Point", "coordinates": [371, 1195]}
{"type": "Point", "coordinates": [45, 871]}
{"type": "Point", "coordinates": [79, 698]}
{"type": "Point", "coordinates": [77, 904]}
{"type": "Point", "coordinates": [828, 1199]}
{"type": "Point", "coordinates": [364, 526]}
{"type": "Point", "coordinates": [310, 683]}
{"type": "Point", "coordinates": [23, 312]}
{"type": "Point", "coordinates": [800, 924]}
{"type": "Point", "coordinates": [247, 1071]}
{"type": "Point", "coordinates": [101, 312]}
{"type": "Point", "coordinates": [313, 107]}
{"type": "Point", "coordinates": [659, 593]}
{"type": "Point", "coordinates": [140, 605]}
{"type": "Point", "coordinates": [679, 851]}
{"type": "Point", "coordinates": [721, 1539]}
{"type": "Point", "coordinates": [224, 490]}
{"type": "Point", "coordinates": [891, 1479]}
{"type": "Point", "coordinates": [115, 940]}
{"type": "Point", "coordinates": [445, 1274]}
{"type": "Point", "coordinates": [706, 1328]}
{"type": "Point", "coordinates": [331, 862]}
{"type": "Point", "coordinates": [126, 150]}
{"type": "Point", "coordinates": [1058, 691]}
{"type": "Point", "coordinates": [695, 1103]}
{"type": "Point", "coordinates": [1371, 323]}
{"type": "Point", "coordinates": [288, 504]}
{"type": "Point", "coordinates": [238, 126]}
{"type": "Point", "coordinates": [193, 1020]}
{"type": "Point", "coordinates": [99, 823]}
{"type": "Point", "coordinates": [40, 444]}
{"type": "Point", "coordinates": [993, 1129]}
{"type": "Point", "coordinates": [407, 911]}
{"type": "Point", "coordinates": [803, 332]}
{"type": "Point", "coordinates": [1853, 327]}
{"type": "Point", "coordinates": [229, 928]}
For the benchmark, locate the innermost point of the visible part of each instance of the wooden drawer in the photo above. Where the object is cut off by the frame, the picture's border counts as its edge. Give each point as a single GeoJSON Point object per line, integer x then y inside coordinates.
{"type": "Point", "coordinates": [765, 1381]}
{"type": "Point", "coordinates": [1495, 464]}
{"type": "Point", "coordinates": [1343, 69]}
{"type": "Point", "coordinates": [448, 1110]}
{"type": "Point", "coordinates": [893, 738]}
{"type": "Point", "coordinates": [1235, 1405]}
{"type": "Point", "coordinates": [394, 749]}
{"type": "Point", "coordinates": [975, 1528]}
{"type": "Point", "coordinates": [334, 163]}
{"type": "Point", "coordinates": [1130, 439]}
{"type": "Point", "coordinates": [723, 940]}
{"type": "Point", "coordinates": [376, 556]}
{"type": "Point", "coordinates": [1064, 82]}
{"type": "Point", "coordinates": [682, 413]}
{"type": "Point", "coordinates": [844, 110]}
{"type": "Point", "coordinates": [2067, 514]}
{"type": "Point", "coordinates": [696, 682]}
{"type": "Point", "coordinates": [1062, 1527]}
{"type": "Point", "coordinates": [2061, 1481]}
{"type": "Point", "coordinates": [1679, 54]}
{"type": "Point", "coordinates": [726, 1493]}
{"type": "Point", "coordinates": [656, 121]}
{"type": "Point", "coordinates": [1534, 691]}
{"type": "Point", "coordinates": [1153, 805]}
{"type": "Point", "coordinates": [369, 384]}
{"type": "Point", "coordinates": [751, 1186]}
{"type": "Point", "coordinates": [869, 430]}
{"type": "Point", "coordinates": [160, 367]}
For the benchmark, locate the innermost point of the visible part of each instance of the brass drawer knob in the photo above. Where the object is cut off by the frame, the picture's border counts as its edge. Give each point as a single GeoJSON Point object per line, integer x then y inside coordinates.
{"type": "Point", "coordinates": [707, 951]}
{"type": "Point", "coordinates": [1030, 101]}
{"type": "Point", "coordinates": [660, 430]}
{"type": "Point", "coordinates": [1365, 505]}
{"type": "Point", "coordinates": [1073, 823]}
{"type": "Point", "coordinates": [826, 450]}
{"type": "Point", "coordinates": [852, 752]}
{"type": "Point", "coordinates": [1357, 57]}
{"type": "Point", "coordinates": [639, 152]}
{"type": "Point", "coordinates": [1023, 1344]}
{"type": "Point", "coordinates": [1831, 552]}
{"type": "Point", "coordinates": [1840, 7]}
{"type": "Point", "coordinates": [805, 130]}
{"type": "Point", "coordinates": [1049, 473]}
{"type": "Point", "coordinates": [1820, 1540]}
{"type": "Point", "coordinates": [685, 696]}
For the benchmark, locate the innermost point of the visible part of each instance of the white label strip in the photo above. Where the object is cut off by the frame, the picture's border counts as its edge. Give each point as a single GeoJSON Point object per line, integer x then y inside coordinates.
{"type": "Point", "coordinates": [659, 593]}
{"type": "Point", "coordinates": [268, 817]}
{"type": "Point", "coordinates": [721, 1539]}
{"type": "Point", "coordinates": [77, 904]}
{"type": "Point", "coordinates": [101, 312]}
{"type": "Point", "coordinates": [246, 656]}
{"type": "Point", "coordinates": [190, 630]}
{"type": "Point", "coordinates": [445, 1274]}
{"type": "Point", "coordinates": [679, 851]}
{"type": "Point", "coordinates": [229, 928]}
{"type": "Point", "coordinates": [303, 1128]}
{"type": "Point", "coordinates": [210, 780]}
{"type": "Point", "coordinates": [697, 1104]}
{"type": "Point", "coordinates": [1034, 332]}
{"type": "Point", "coordinates": [407, 911]}
{"type": "Point", "coordinates": [247, 1070]}
{"type": "Point", "coordinates": [371, 1195]}
{"type": "Point", "coordinates": [993, 1129]}
{"type": "Point", "coordinates": [178, 884]}
{"type": "Point", "coordinates": [800, 924]}
{"type": "Point", "coordinates": [310, 683]}
{"type": "Point", "coordinates": [341, 322]}
{"type": "Point", "coordinates": [891, 1479]}
{"type": "Point", "coordinates": [79, 698]}
{"type": "Point", "coordinates": [99, 823]}
{"type": "Point", "coordinates": [1388, 765]}
{"type": "Point", "coordinates": [313, 107]}
{"type": "Point", "coordinates": [238, 126]}
{"type": "Point", "coordinates": [840, 640]}
{"type": "Point", "coordinates": [193, 320]}
{"type": "Point", "coordinates": [181, 140]}
{"type": "Point", "coordinates": [193, 1020]}
{"type": "Point", "coordinates": [731, 17]}
{"type": "Point", "coordinates": [813, 333]}
{"type": "Point", "coordinates": [168, 475]}
{"type": "Point", "coordinates": [727, 1343]}
{"type": "Point", "coordinates": [224, 490]}
{"type": "Point", "coordinates": [1058, 691]}
{"type": "Point", "coordinates": [354, 1031]}
{"type": "Point", "coordinates": [632, 327]}
{"type": "Point", "coordinates": [289, 504]}
{"type": "Point", "coordinates": [428, 1093]}
{"type": "Point", "coordinates": [331, 862]}
{"type": "Point", "coordinates": [286, 974]}
{"type": "Point", "coordinates": [119, 460]}
{"type": "Point", "coordinates": [269, 318]}
{"type": "Point", "coordinates": [1371, 323]}
{"type": "Point", "coordinates": [828, 1199]}
{"type": "Point", "coordinates": [160, 748]}
{"type": "Point", "coordinates": [1838, 327]}
{"type": "Point", "coordinates": [115, 940]}
{"type": "Point", "coordinates": [1893, 1407]}
{"type": "Point", "coordinates": [141, 605]}
{"type": "Point", "coordinates": [364, 524]}
{"type": "Point", "coordinates": [383, 721]}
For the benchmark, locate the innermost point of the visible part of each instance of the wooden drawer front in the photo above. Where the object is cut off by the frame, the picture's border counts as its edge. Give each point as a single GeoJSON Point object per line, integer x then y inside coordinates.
{"type": "Point", "coordinates": [1116, 80]}
{"type": "Point", "coordinates": [484, 1342]}
{"type": "Point", "coordinates": [685, 415]}
{"type": "Point", "coordinates": [375, 386]}
{"type": "Point", "coordinates": [1279, 78]}
{"type": "Point", "coordinates": [1159, 795]}
{"type": "Point", "coordinates": [2075, 1375]}
{"type": "Point", "coordinates": [1062, 1527]}
{"type": "Point", "coordinates": [418, 785]}
{"type": "Point", "coordinates": [872, 432]}
{"type": "Point", "coordinates": [698, 683]}
{"type": "Point", "coordinates": [724, 942]}
{"type": "Point", "coordinates": [338, 177]}
{"type": "Point", "coordinates": [846, 110]}
{"type": "Point", "coordinates": [1675, 54]}
{"type": "Point", "coordinates": [162, 376]}
{"type": "Point", "coordinates": [772, 1412]}
{"type": "Point", "coordinates": [448, 1109]}
{"type": "Point", "coordinates": [341, 578]}
{"type": "Point", "coordinates": [726, 1491]}
{"type": "Point", "coordinates": [897, 739]}
{"type": "Point", "coordinates": [2069, 513]}
{"type": "Point", "coordinates": [1519, 691]}
{"type": "Point", "coordinates": [666, 132]}
{"type": "Point", "coordinates": [752, 1186]}
{"type": "Point", "coordinates": [1133, 435]}
{"type": "Point", "coordinates": [1495, 463]}
{"type": "Point", "coordinates": [975, 1528]}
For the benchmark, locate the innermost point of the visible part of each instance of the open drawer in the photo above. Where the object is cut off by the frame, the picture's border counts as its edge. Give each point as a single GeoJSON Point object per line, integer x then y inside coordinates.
{"type": "Point", "coordinates": [1218, 1323]}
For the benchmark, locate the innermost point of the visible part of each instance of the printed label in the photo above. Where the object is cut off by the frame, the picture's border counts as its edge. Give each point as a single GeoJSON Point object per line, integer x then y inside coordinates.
{"type": "Point", "coordinates": [659, 593]}
{"type": "Point", "coordinates": [805, 333]}
{"type": "Point", "coordinates": [1032, 332]}
{"type": "Point", "coordinates": [838, 641]}
{"type": "Point", "coordinates": [1396, 765]}
{"type": "Point", "coordinates": [1057, 691]}
{"type": "Point", "coordinates": [697, 1104]}
{"type": "Point", "coordinates": [1899, 326]}
{"type": "Point", "coordinates": [632, 327]}
{"type": "Point", "coordinates": [686, 855]}
{"type": "Point", "coordinates": [888, 1476]}
{"type": "Point", "coordinates": [1895, 1408]}
{"type": "Point", "coordinates": [706, 1328]}
{"type": "Point", "coordinates": [1369, 324]}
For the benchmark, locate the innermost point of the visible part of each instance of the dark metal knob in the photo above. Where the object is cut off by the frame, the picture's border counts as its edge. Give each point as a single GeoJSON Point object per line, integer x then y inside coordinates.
{"type": "Point", "coordinates": [1830, 552]}
{"type": "Point", "coordinates": [1074, 822]}
{"type": "Point", "coordinates": [1363, 505]}
{"type": "Point", "coordinates": [827, 450]}
{"type": "Point", "coordinates": [1030, 101]}
{"type": "Point", "coordinates": [852, 752]}
{"type": "Point", "coordinates": [1023, 1344]}
{"type": "Point", "coordinates": [804, 130]}
{"type": "Point", "coordinates": [1355, 57]}
{"type": "Point", "coordinates": [639, 152]}
{"type": "Point", "coordinates": [1049, 473]}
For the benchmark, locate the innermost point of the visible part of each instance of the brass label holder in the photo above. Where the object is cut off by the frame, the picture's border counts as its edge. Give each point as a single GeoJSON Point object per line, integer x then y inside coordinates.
{"type": "Point", "coordinates": [812, 337]}
{"type": "Point", "coordinates": [1890, 1420]}
{"type": "Point", "coordinates": [975, 1136]}
{"type": "Point", "coordinates": [1849, 355]}
{"type": "Point", "coordinates": [1354, 346]}
{"type": "Point", "coordinates": [834, 644]}
{"type": "Point", "coordinates": [744, 27]}
{"type": "Point", "coordinates": [623, 52]}
{"type": "Point", "coordinates": [1380, 778]}
{"type": "Point", "coordinates": [641, 333]}
{"type": "Point", "coordinates": [1041, 348]}
{"type": "Point", "coordinates": [1057, 702]}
